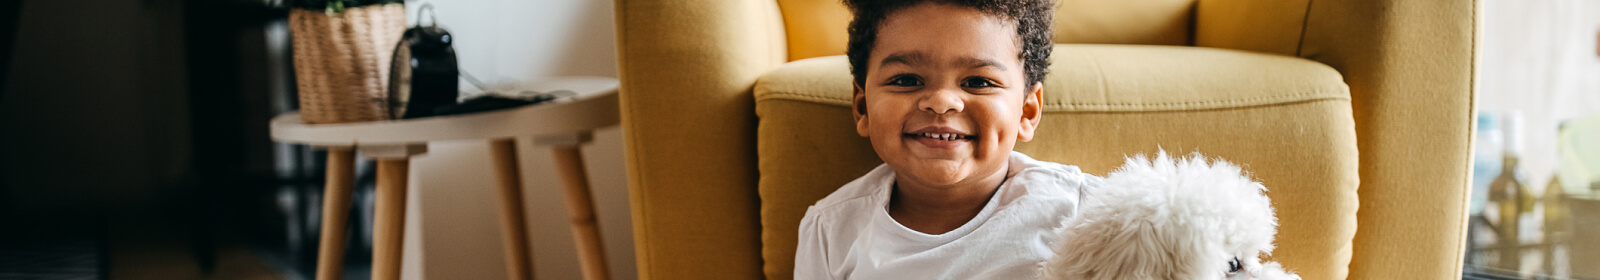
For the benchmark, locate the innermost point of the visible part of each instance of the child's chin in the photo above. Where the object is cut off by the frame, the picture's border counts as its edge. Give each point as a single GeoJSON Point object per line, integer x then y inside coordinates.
{"type": "Point", "coordinates": [940, 174]}
{"type": "Point", "coordinates": [954, 154]}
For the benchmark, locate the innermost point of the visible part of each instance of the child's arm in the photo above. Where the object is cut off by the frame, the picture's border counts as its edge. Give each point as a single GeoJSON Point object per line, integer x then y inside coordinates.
{"type": "Point", "coordinates": [811, 254]}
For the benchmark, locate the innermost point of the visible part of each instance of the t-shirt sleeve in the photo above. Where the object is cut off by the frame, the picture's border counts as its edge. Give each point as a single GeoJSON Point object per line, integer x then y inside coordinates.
{"type": "Point", "coordinates": [811, 254]}
{"type": "Point", "coordinates": [1086, 188]}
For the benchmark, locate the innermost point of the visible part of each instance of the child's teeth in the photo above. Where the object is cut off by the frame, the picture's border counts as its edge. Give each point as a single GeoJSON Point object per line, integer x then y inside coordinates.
{"type": "Point", "coordinates": [943, 136]}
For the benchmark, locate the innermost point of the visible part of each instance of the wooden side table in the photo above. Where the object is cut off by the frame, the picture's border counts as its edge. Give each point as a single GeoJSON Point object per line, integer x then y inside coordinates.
{"type": "Point", "coordinates": [563, 125]}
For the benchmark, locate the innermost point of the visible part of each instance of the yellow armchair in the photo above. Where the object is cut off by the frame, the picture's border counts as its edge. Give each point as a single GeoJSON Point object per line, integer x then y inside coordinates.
{"type": "Point", "coordinates": [1355, 114]}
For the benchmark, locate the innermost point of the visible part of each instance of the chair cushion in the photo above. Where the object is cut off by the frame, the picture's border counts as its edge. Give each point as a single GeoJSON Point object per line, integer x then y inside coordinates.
{"type": "Point", "coordinates": [1286, 120]}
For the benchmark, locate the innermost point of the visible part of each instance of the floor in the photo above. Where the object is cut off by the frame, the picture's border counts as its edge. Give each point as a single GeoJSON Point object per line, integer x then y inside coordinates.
{"type": "Point", "coordinates": [131, 244]}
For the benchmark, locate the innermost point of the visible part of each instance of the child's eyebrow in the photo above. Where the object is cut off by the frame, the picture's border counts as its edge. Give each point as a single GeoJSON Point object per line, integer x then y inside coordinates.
{"type": "Point", "coordinates": [974, 62]}
{"type": "Point", "coordinates": [905, 58]}
{"type": "Point", "coordinates": [914, 58]}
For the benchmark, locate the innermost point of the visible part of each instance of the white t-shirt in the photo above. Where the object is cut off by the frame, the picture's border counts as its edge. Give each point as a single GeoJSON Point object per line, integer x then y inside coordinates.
{"type": "Point", "coordinates": [849, 234]}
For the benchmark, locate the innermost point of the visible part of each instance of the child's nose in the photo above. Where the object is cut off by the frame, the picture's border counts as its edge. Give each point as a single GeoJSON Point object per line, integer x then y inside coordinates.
{"type": "Point", "coordinates": [943, 101]}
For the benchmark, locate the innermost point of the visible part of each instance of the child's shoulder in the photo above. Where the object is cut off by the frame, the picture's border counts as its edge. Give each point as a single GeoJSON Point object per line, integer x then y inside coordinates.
{"type": "Point", "coordinates": [861, 190]}
{"type": "Point", "coordinates": [1046, 178]}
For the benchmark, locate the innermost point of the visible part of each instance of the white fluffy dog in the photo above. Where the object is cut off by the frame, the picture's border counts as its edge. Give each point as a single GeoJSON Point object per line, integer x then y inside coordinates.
{"type": "Point", "coordinates": [1170, 218]}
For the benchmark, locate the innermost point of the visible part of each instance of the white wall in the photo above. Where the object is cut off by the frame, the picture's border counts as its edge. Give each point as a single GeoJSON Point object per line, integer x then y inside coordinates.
{"type": "Point", "coordinates": [1539, 57]}
{"type": "Point", "coordinates": [453, 229]}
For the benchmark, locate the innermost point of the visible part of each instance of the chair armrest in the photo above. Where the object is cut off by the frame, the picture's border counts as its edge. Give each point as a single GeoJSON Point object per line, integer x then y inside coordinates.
{"type": "Point", "coordinates": [1410, 67]}
{"type": "Point", "coordinates": [686, 71]}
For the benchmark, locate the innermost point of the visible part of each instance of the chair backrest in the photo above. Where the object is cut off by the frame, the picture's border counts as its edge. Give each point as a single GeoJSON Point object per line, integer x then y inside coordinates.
{"type": "Point", "coordinates": [1286, 120]}
{"type": "Point", "coordinates": [813, 26]}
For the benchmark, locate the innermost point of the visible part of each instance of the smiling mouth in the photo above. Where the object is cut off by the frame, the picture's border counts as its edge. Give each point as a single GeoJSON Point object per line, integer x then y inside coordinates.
{"type": "Point", "coordinates": [941, 136]}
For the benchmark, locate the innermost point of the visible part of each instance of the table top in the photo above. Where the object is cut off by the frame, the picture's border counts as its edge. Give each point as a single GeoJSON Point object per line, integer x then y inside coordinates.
{"type": "Point", "coordinates": [594, 106]}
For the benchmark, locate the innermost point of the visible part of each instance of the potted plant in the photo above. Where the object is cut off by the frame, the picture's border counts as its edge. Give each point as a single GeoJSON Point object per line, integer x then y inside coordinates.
{"type": "Point", "coordinates": [342, 50]}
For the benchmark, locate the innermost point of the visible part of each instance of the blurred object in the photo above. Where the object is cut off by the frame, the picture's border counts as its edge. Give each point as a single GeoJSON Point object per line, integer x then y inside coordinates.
{"type": "Point", "coordinates": [1485, 159]}
{"type": "Point", "coordinates": [1578, 143]}
{"type": "Point", "coordinates": [472, 80]}
{"type": "Point", "coordinates": [1572, 200]}
{"type": "Point", "coordinates": [1585, 236]}
{"type": "Point", "coordinates": [341, 59]}
{"type": "Point", "coordinates": [1555, 225]}
{"type": "Point", "coordinates": [238, 72]}
{"type": "Point", "coordinates": [495, 101]}
{"type": "Point", "coordinates": [1524, 236]}
{"type": "Point", "coordinates": [1539, 57]}
{"type": "Point", "coordinates": [423, 73]}
{"type": "Point", "coordinates": [1509, 192]}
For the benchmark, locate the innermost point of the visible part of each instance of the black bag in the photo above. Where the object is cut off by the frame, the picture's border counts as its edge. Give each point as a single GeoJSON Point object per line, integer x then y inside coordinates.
{"type": "Point", "coordinates": [423, 74]}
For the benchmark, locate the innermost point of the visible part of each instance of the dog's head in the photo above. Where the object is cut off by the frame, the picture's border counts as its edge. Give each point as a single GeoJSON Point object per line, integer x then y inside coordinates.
{"type": "Point", "coordinates": [1170, 218]}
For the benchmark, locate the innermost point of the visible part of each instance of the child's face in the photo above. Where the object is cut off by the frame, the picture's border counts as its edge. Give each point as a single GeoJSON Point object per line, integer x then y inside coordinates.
{"type": "Point", "coordinates": [944, 69]}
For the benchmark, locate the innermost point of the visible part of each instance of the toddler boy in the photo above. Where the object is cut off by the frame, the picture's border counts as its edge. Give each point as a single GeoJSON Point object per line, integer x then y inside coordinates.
{"type": "Point", "coordinates": [944, 89]}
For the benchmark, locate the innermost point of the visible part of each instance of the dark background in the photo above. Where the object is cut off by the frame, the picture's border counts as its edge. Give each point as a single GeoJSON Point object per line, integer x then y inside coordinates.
{"type": "Point", "coordinates": [134, 145]}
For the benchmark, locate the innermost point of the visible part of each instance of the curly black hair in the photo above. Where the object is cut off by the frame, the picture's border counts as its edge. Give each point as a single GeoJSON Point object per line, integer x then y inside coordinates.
{"type": "Point", "coordinates": [1032, 18]}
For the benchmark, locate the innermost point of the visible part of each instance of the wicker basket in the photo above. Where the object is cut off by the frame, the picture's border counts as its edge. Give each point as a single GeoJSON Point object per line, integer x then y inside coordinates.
{"type": "Point", "coordinates": [341, 61]}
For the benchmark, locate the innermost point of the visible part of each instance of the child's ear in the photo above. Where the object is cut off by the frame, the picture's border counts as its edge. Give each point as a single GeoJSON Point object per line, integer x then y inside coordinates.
{"type": "Point", "coordinates": [858, 108]}
{"type": "Point", "coordinates": [1032, 112]}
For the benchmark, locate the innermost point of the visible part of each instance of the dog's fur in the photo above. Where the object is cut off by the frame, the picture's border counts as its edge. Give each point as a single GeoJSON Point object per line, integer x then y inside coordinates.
{"type": "Point", "coordinates": [1169, 218]}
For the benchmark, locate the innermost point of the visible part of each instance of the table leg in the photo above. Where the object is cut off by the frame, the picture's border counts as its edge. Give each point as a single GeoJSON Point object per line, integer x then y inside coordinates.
{"type": "Point", "coordinates": [580, 206]}
{"type": "Point", "coordinates": [389, 221]}
{"type": "Point", "coordinates": [513, 227]}
{"type": "Point", "coordinates": [335, 204]}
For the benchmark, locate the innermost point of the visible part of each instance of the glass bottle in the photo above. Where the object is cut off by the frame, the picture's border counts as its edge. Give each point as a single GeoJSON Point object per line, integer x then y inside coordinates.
{"type": "Point", "coordinates": [1555, 222]}
{"type": "Point", "coordinates": [1509, 192]}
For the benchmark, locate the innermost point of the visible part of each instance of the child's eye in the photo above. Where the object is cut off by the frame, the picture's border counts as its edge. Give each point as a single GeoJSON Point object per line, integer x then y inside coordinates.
{"type": "Point", "coordinates": [905, 81]}
{"type": "Point", "coordinates": [976, 82]}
